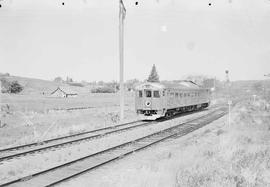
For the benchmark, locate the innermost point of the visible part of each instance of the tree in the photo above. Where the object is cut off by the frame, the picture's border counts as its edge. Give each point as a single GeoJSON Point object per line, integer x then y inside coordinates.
{"type": "Point", "coordinates": [103, 89]}
{"type": "Point", "coordinates": [10, 87]}
{"type": "Point", "coordinates": [209, 83]}
{"type": "Point", "coordinates": [131, 84]}
{"type": "Point", "coordinates": [112, 84]}
{"type": "Point", "coordinates": [198, 79]}
{"type": "Point", "coordinates": [69, 79]}
{"type": "Point", "coordinates": [258, 86]}
{"type": "Point", "coordinates": [15, 87]}
{"type": "Point", "coordinates": [153, 77]}
{"type": "Point", "coordinates": [4, 85]}
{"type": "Point", "coordinates": [58, 79]}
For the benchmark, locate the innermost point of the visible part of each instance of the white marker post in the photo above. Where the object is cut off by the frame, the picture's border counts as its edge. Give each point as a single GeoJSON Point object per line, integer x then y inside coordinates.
{"type": "Point", "coordinates": [122, 13]}
{"type": "Point", "coordinates": [254, 98]}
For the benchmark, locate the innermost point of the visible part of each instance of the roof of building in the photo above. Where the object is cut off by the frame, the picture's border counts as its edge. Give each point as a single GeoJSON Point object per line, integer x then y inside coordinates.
{"type": "Point", "coordinates": [67, 92]}
{"type": "Point", "coordinates": [186, 85]}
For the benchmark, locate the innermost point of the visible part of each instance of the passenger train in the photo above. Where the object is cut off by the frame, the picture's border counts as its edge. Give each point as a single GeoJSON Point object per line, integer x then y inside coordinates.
{"type": "Point", "coordinates": [155, 100]}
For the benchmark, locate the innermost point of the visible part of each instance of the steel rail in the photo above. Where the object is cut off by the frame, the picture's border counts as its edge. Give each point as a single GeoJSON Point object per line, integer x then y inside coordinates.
{"type": "Point", "coordinates": [67, 142]}
{"type": "Point", "coordinates": [64, 137]}
{"type": "Point", "coordinates": [131, 146]}
{"type": "Point", "coordinates": [101, 133]}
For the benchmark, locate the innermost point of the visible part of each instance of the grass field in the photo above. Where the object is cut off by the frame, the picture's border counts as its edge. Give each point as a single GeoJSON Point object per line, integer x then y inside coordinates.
{"type": "Point", "coordinates": [40, 103]}
{"type": "Point", "coordinates": [27, 118]}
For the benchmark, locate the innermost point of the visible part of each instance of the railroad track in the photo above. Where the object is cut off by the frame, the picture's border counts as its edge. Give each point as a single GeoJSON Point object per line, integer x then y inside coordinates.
{"type": "Point", "coordinates": [69, 170]}
{"type": "Point", "coordinates": [60, 142]}
{"type": "Point", "coordinates": [12, 152]}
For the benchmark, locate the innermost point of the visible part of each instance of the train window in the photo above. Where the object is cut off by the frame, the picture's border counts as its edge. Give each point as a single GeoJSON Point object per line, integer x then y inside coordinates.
{"type": "Point", "coordinates": [156, 94]}
{"type": "Point", "coordinates": [171, 94]}
{"type": "Point", "coordinates": [163, 93]}
{"type": "Point", "coordinates": [148, 93]}
{"type": "Point", "coordinates": [176, 94]}
{"type": "Point", "coordinates": [188, 94]}
{"type": "Point", "coordinates": [180, 94]}
{"type": "Point", "coordinates": [140, 93]}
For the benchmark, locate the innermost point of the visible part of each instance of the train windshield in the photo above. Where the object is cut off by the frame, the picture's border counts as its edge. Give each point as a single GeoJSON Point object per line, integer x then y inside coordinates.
{"type": "Point", "coordinates": [140, 93]}
{"type": "Point", "coordinates": [148, 93]}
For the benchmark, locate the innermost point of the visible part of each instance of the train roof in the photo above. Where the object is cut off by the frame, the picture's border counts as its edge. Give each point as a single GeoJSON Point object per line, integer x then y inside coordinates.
{"type": "Point", "coordinates": [185, 85]}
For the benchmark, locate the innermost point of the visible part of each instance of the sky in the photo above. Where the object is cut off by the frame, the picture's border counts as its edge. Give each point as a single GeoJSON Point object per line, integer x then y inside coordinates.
{"type": "Point", "coordinates": [45, 39]}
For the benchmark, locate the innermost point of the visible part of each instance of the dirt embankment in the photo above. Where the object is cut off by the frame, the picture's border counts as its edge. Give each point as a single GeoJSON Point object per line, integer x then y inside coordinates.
{"type": "Point", "coordinates": [235, 155]}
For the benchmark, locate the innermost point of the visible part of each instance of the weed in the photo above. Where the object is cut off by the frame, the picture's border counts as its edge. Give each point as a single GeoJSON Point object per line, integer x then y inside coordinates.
{"type": "Point", "coordinates": [59, 158]}
{"type": "Point", "coordinates": [207, 131]}
{"type": "Point", "coordinates": [239, 181]}
{"type": "Point", "coordinates": [208, 154]}
{"type": "Point", "coordinates": [169, 155]}
{"type": "Point", "coordinates": [220, 131]}
{"type": "Point", "coordinates": [12, 173]}
{"type": "Point", "coordinates": [113, 117]}
{"type": "Point", "coordinates": [2, 124]}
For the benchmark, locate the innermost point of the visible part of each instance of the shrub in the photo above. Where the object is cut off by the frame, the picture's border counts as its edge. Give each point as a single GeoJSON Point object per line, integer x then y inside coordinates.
{"type": "Point", "coordinates": [15, 87]}
{"type": "Point", "coordinates": [58, 79]}
{"type": "Point", "coordinates": [103, 90]}
{"type": "Point", "coordinates": [10, 87]}
{"type": "Point", "coordinates": [76, 84]}
{"type": "Point", "coordinates": [220, 131]}
{"type": "Point", "coordinates": [4, 85]}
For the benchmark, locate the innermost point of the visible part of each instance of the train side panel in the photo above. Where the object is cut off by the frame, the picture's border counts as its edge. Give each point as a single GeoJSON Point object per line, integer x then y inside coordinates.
{"type": "Point", "coordinates": [154, 100]}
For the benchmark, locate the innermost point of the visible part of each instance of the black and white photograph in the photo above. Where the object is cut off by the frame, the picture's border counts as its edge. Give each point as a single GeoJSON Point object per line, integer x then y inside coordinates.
{"type": "Point", "coordinates": [135, 93]}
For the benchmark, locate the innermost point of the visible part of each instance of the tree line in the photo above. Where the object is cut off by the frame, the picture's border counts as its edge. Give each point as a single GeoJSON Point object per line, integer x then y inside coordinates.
{"type": "Point", "coordinates": [10, 86]}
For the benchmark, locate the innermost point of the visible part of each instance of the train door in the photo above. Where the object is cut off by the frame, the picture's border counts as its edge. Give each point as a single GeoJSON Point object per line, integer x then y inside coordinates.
{"type": "Point", "coordinates": [157, 100]}
{"type": "Point", "coordinates": [170, 98]}
{"type": "Point", "coordinates": [139, 99]}
{"type": "Point", "coordinates": [148, 100]}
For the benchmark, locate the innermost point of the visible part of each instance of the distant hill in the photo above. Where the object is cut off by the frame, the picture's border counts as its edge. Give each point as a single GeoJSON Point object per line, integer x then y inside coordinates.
{"type": "Point", "coordinates": [38, 86]}
{"type": "Point", "coordinates": [249, 84]}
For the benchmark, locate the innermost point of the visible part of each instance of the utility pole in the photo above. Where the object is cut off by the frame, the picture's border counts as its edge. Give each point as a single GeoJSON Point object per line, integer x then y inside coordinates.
{"type": "Point", "coordinates": [122, 14]}
{"type": "Point", "coordinates": [0, 102]}
{"type": "Point", "coordinates": [0, 92]}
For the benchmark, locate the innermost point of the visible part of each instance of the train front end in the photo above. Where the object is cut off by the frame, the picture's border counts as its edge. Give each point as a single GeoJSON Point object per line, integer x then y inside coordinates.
{"type": "Point", "coordinates": [150, 101]}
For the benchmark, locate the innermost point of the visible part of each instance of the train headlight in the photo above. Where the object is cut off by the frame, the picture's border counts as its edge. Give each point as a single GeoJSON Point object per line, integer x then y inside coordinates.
{"type": "Point", "coordinates": [147, 103]}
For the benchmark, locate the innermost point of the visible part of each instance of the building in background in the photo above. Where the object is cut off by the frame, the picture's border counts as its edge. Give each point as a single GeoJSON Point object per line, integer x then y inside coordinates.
{"type": "Point", "coordinates": [61, 93]}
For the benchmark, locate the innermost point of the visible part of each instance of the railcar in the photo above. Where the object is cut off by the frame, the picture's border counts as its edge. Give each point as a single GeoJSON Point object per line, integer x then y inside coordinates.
{"type": "Point", "coordinates": [156, 100]}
